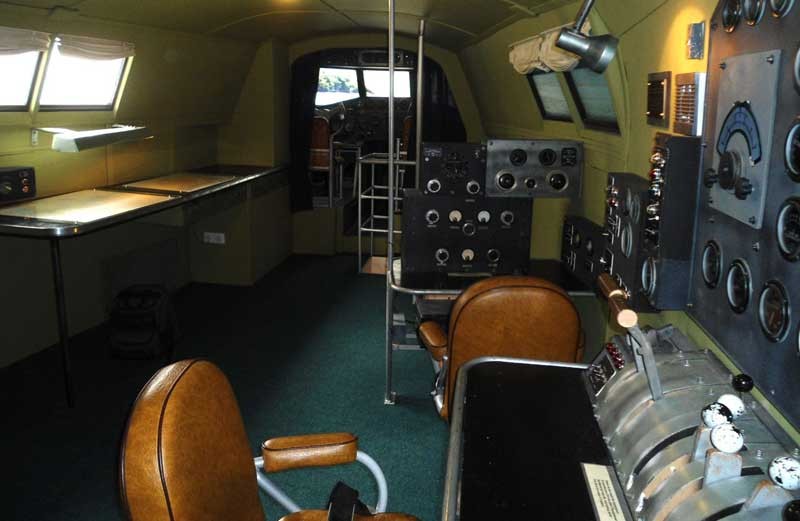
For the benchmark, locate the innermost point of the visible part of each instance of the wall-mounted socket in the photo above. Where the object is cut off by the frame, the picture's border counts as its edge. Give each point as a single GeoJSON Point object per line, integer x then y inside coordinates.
{"type": "Point", "coordinates": [34, 138]}
{"type": "Point", "coordinates": [214, 238]}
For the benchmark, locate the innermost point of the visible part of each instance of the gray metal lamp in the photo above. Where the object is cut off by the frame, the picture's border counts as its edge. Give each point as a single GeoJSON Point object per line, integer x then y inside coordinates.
{"type": "Point", "coordinates": [595, 51]}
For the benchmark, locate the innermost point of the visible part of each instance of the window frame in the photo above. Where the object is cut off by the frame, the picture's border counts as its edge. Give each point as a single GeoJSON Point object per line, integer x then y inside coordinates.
{"type": "Point", "coordinates": [124, 69]}
{"type": "Point", "coordinates": [37, 71]}
{"type": "Point", "coordinates": [588, 122]}
{"type": "Point", "coordinates": [540, 103]}
{"type": "Point", "coordinates": [384, 69]}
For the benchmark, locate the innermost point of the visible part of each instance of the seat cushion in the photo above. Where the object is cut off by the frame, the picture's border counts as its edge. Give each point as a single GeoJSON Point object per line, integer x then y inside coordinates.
{"type": "Point", "coordinates": [434, 339]}
{"type": "Point", "coordinates": [322, 515]}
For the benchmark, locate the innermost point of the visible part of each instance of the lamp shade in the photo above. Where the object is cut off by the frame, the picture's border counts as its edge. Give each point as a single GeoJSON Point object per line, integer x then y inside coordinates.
{"type": "Point", "coordinates": [596, 52]}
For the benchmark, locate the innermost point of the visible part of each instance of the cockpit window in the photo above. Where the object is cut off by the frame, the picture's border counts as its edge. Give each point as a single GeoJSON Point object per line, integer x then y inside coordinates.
{"type": "Point", "coordinates": [377, 83]}
{"type": "Point", "coordinates": [593, 98]}
{"type": "Point", "coordinates": [336, 86]}
{"type": "Point", "coordinates": [16, 81]}
{"type": "Point", "coordinates": [549, 96]}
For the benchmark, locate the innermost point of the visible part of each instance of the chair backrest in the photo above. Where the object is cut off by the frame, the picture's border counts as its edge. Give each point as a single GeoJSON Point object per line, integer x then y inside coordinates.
{"type": "Point", "coordinates": [522, 317]}
{"type": "Point", "coordinates": [185, 453]}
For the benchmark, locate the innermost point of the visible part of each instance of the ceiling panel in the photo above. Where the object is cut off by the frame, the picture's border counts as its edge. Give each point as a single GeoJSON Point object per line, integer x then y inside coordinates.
{"type": "Point", "coordinates": [290, 27]}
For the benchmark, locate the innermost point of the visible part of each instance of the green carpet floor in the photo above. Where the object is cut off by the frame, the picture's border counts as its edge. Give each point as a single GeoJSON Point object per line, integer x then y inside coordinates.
{"type": "Point", "coordinates": [304, 352]}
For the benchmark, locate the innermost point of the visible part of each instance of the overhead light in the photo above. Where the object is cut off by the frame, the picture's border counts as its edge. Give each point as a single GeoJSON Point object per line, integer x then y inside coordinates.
{"type": "Point", "coordinates": [66, 140]}
{"type": "Point", "coordinates": [596, 52]}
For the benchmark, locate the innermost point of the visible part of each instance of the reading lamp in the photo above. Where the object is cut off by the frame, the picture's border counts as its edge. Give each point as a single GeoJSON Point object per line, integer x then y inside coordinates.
{"type": "Point", "coordinates": [595, 51]}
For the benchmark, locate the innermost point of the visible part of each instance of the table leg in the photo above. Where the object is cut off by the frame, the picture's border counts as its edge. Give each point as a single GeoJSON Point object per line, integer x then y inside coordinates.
{"type": "Point", "coordinates": [61, 310]}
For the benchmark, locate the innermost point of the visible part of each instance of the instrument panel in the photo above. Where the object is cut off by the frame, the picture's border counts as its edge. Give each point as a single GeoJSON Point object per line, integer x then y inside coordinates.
{"type": "Point", "coordinates": [543, 168]}
{"type": "Point", "coordinates": [746, 281]}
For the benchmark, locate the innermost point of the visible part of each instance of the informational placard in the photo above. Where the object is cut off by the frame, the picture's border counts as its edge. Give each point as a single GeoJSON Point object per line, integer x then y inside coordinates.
{"type": "Point", "coordinates": [605, 493]}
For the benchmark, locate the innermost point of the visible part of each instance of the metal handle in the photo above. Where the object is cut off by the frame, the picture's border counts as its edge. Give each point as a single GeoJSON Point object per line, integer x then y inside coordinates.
{"type": "Point", "coordinates": [617, 302]}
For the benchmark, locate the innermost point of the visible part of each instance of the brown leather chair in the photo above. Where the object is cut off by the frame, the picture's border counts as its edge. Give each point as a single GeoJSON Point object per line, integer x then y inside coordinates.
{"type": "Point", "coordinates": [521, 317]}
{"type": "Point", "coordinates": [186, 457]}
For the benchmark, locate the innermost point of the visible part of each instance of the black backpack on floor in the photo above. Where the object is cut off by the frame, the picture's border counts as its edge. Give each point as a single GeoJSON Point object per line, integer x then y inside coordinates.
{"type": "Point", "coordinates": [142, 323]}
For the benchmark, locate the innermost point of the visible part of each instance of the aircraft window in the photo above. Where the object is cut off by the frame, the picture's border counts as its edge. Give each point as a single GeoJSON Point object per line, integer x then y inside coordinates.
{"type": "Point", "coordinates": [549, 96]}
{"type": "Point", "coordinates": [336, 86]}
{"type": "Point", "coordinates": [83, 77]}
{"type": "Point", "coordinates": [593, 98]}
{"type": "Point", "coordinates": [377, 84]}
{"type": "Point", "coordinates": [16, 82]}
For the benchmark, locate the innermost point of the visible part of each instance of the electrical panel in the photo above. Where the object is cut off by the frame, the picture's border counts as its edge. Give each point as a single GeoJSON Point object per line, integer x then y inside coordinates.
{"type": "Point", "coordinates": [453, 169]}
{"type": "Point", "coordinates": [17, 183]}
{"type": "Point", "coordinates": [544, 168]}
{"type": "Point", "coordinates": [582, 245]}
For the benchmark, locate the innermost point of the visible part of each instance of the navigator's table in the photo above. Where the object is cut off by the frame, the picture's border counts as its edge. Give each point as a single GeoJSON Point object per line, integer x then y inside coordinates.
{"type": "Point", "coordinates": [78, 213]}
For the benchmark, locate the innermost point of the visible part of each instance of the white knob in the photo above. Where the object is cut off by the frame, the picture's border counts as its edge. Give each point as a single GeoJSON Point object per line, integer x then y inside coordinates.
{"type": "Point", "coordinates": [785, 472]}
{"type": "Point", "coordinates": [727, 438]}
{"type": "Point", "coordinates": [455, 216]}
{"type": "Point", "coordinates": [467, 255]}
{"type": "Point", "coordinates": [484, 217]}
{"type": "Point", "coordinates": [733, 403]}
{"type": "Point", "coordinates": [715, 414]}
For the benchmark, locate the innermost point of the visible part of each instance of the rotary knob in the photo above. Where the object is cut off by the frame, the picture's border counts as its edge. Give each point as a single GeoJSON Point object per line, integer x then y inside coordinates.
{"type": "Point", "coordinates": [442, 255]}
{"type": "Point", "coordinates": [507, 217]}
{"type": "Point", "coordinates": [493, 255]}
{"type": "Point", "coordinates": [792, 511]}
{"type": "Point", "coordinates": [467, 255]}
{"type": "Point", "coordinates": [469, 229]}
{"type": "Point", "coordinates": [743, 188]}
{"type": "Point", "coordinates": [743, 383]}
{"type": "Point", "coordinates": [730, 167]}
{"type": "Point", "coordinates": [455, 216]}
{"type": "Point", "coordinates": [484, 217]}
{"type": "Point", "coordinates": [506, 181]}
{"type": "Point", "coordinates": [785, 472]}
{"type": "Point", "coordinates": [710, 178]}
{"type": "Point", "coordinates": [473, 187]}
{"type": "Point", "coordinates": [716, 414]}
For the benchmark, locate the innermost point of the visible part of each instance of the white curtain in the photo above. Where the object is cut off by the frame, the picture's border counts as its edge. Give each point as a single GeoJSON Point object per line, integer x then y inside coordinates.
{"type": "Point", "coordinates": [94, 48]}
{"type": "Point", "coordinates": [541, 53]}
{"type": "Point", "coordinates": [18, 41]}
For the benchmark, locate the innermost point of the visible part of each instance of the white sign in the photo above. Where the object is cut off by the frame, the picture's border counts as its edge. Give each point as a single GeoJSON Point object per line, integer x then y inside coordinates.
{"type": "Point", "coordinates": [606, 503]}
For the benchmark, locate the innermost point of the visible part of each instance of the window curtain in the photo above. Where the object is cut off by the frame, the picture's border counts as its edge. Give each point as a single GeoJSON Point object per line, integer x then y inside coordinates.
{"type": "Point", "coordinates": [94, 48]}
{"type": "Point", "coordinates": [440, 116]}
{"type": "Point", "coordinates": [305, 80]}
{"type": "Point", "coordinates": [18, 41]}
{"type": "Point", "coordinates": [541, 53]}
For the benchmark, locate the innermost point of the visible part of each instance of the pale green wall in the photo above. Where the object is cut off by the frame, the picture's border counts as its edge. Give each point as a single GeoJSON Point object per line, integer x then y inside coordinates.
{"type": "Point", "coordinates": [180, 85]}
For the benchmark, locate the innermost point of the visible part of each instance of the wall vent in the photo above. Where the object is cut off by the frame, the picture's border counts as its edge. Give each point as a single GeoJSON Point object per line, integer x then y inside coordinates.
{"type": "Point", "coordinates": [689, 103]}
{"type": "Point", "coordinates": [658, 98]}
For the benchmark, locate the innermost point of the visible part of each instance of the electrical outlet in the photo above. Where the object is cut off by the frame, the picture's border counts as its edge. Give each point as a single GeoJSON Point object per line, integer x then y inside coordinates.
{"type": "Point", "coordinates": [34, 138]}
{"type": "Point", "coordinates": [214, 238]}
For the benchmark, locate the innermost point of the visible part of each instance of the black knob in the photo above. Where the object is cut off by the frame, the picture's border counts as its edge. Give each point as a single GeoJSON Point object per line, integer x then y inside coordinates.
{"type": "Point", "coordinates": [6, 188]}
{"type": "Point", "coordinates": [530, 183]}
{"type": "Point", "coordinates": [518, 157]}
{"type": "Point", "coordinates": [506, 181]}
{"type": "Point", "coordinates": [730, 167]}
{"type": "Point", "coordinates": [468, 229]}
{"type": "Point", "coordinates": [792, 511]}
{"type": "Point", "coordinates": [711, 177]}
{"type": "Point", "coordinates": [473, 187]}
{"type": "Point", "coordinates": [743, 383]}
{"type": "Point", "coordinates": [558, 181]}
{"type": "Point", "coordinates": [743, 188]}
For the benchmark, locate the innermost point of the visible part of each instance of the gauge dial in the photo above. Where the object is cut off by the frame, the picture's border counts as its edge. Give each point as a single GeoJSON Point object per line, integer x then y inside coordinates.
{"type": "Point", "coordinates": [626, 240]}
{"type": "Point", "coordinates": [712, 264]}
{"type": "Point", "coordinates": [731, 15]}
{"type": "Point", "coordinates": [792, 152]}
{"type": "Point", "coordinates": [739, 286]}
{"type": "Point", "coordinates": [788, 229]}
{"type": "Point", "coordinates": [634, 205]}
{"type": "Point", "coordinates": [753, 11]}
{"type": "Point", "coordinates": [773, 311]}
{"type": "Point", "coordinates": [649, 276]}
{"type": "Point", "coordinates": [781, 8]}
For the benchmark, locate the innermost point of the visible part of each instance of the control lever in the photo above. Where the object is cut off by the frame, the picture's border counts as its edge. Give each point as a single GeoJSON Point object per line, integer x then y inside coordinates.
{"type": "Point", "coordinates": [784, 473]}
{"type": "Point", "coordinates": [628, 319]}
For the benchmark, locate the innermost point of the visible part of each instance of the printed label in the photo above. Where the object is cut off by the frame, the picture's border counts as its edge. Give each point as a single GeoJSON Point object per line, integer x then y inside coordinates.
{"type": "Point", "coordinates": [605, 498]}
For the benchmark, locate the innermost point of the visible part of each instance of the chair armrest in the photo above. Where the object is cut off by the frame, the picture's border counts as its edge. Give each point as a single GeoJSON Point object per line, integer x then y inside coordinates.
{"type": "Point", "coordinates": [312, 450]}
{"type": "Point", "coordinates": [434, 339]}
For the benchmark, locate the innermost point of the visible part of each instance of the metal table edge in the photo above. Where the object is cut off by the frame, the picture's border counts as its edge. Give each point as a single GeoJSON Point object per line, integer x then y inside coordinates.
{"type": "Point", "coordinates": [453, 471]}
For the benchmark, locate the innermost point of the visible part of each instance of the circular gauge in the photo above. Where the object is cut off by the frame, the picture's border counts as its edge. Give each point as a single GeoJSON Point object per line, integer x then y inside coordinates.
{"type": "Point", "coordinates": [731, 15]}
{"type": "Point", "coordinates": [773, 311]}
{"type": "Point", "coordinates": [753, 11]}
{"type": "Point", "coordinates": [788, 229]}
{"type": "Point", "coordinates": [626, 240]}
{"type": "Point", "coordinates": [548, 157]}
{"type": "Point", "coordinates": [781, 8]}
{"type": "Point", "coordinates": [589, 247]}
{"type": "Point", "coordinates": [635, 207]}
{"type": "Point", "coordinates": [649, 276]}
{"type": "Point", "coordinates": [518, 157]}
{"type": "Point", "coordinates": [712, 264]}
{"type": "Point", "coordinates": [739, 286]}
{"type": "Point", "coordinates": [792, 152]}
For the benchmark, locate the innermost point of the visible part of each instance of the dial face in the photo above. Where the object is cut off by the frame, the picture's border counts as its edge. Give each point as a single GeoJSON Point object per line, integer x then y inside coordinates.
{"type": "Point", "coordinates": [773, 311]}
{"type": "Point", "coordinates": [753, 11]}
{"type": "Point", "coordinates": [781, 8]}
{"type": "Point", "coordinates": [518, 157]}
{"type": "Point", "coordinates": [649, 275]}
{"type": "Point", "coordinates": [788, 229]}
{"type": "Point", "coordinates": [634, 205]}
{"type": "Point", "coordinates": [792, 152]}
{"type": "Point", "coordinates": [739, 285]}
{"type": "Point", "coordinates": [548, 157]}
{"type": "Point", "coordinates": [626, 240]}
{"type": "Point", "coordinates": [731, 15]}
{"type": "Point", "coordinates": [712, 264]}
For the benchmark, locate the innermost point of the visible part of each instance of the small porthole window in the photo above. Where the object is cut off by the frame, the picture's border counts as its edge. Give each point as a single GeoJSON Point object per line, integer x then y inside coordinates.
{"type": "Point", "coordinates": [593, 98]}
{"type": "Point", "coordinates": [84, 74]}
{"type": "Point", "coordinates": [549, 96]}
